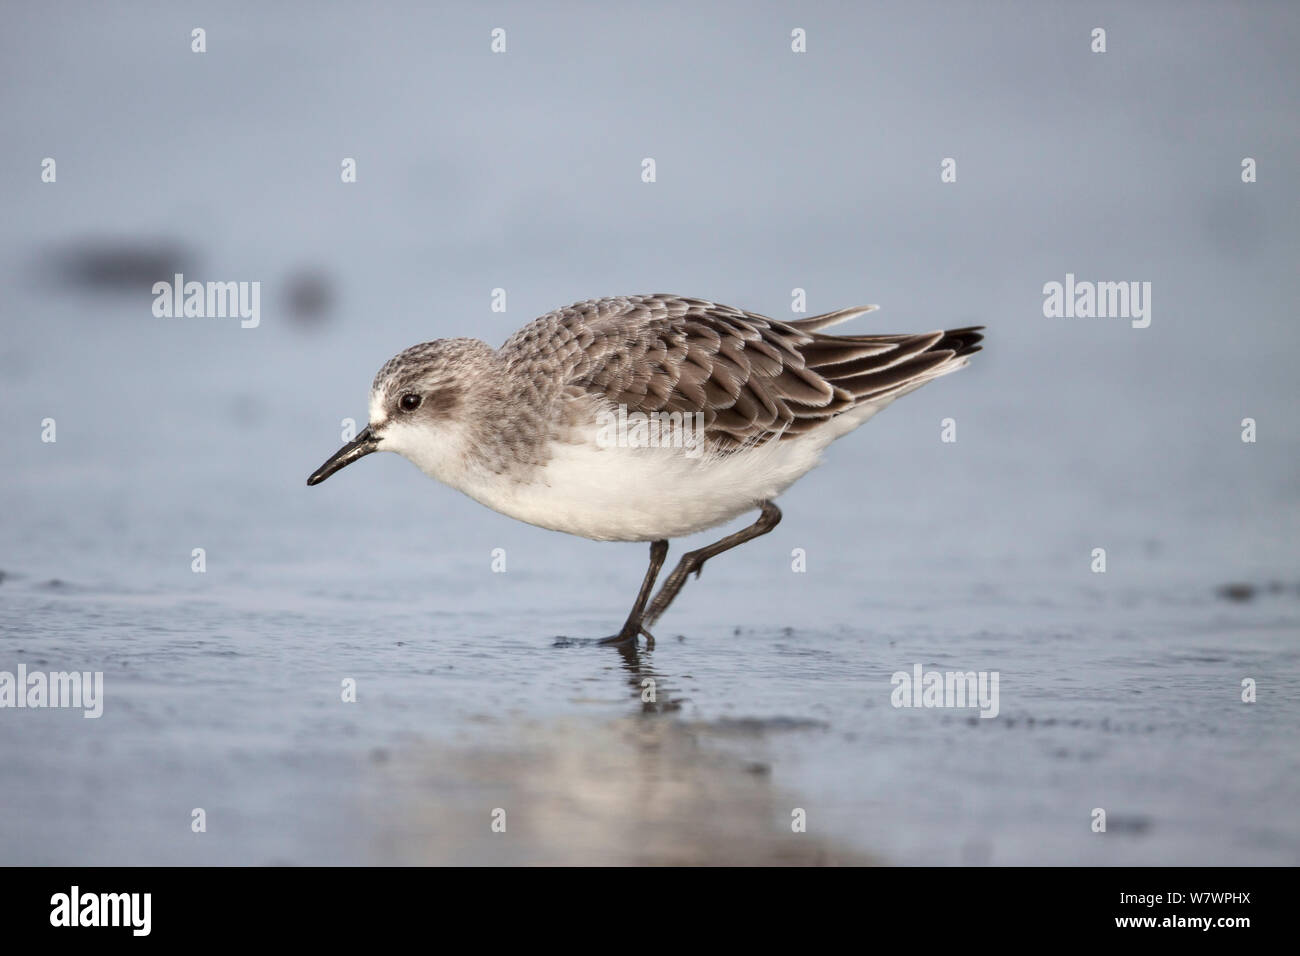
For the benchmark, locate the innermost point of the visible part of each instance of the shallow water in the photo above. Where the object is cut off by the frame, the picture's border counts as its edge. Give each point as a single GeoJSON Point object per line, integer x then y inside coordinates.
{"type": "Point", "coordinates": [772, 687]}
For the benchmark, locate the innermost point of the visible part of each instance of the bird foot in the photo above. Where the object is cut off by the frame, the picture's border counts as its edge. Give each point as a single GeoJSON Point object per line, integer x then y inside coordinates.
{"type": "Point", "coordinates": [619, 638]}
{"type": "Point", "coordinates": [629, 635]}
{"type": "Point", "coordinates": [623, 638]}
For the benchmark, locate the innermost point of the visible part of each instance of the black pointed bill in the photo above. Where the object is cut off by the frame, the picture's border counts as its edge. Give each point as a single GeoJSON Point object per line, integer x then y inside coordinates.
{"type": "Point", "coordinates": [362, 445]}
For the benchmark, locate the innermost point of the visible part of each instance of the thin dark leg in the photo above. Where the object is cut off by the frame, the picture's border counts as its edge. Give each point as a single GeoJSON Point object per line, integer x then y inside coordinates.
{"type": "Point", "coordinates": [658, 551]}
{"type": "Point", "coordinates": [694, 560]}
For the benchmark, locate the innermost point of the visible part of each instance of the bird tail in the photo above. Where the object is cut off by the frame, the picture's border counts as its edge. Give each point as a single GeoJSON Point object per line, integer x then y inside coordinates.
{"type": "Point", "coordinates": [871, 368]}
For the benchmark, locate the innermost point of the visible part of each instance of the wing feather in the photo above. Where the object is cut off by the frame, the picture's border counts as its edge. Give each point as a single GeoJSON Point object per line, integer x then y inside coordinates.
{"type": "Point", "coordinates": [752, 377]}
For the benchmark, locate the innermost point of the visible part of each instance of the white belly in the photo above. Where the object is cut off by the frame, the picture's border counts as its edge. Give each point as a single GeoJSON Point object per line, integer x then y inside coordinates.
{"type": "Point", "coordinates": [647, 494]}
{"type": "Point", "coordinates": [618, 493]}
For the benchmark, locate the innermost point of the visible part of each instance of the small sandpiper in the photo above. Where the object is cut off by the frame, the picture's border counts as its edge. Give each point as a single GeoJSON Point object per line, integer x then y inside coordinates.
{"type": "Point", "coordinates": [642, 418]}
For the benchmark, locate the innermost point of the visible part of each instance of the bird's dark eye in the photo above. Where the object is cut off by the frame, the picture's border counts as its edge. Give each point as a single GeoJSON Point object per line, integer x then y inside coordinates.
{"type": "Point", "coordinates": [409, 402]}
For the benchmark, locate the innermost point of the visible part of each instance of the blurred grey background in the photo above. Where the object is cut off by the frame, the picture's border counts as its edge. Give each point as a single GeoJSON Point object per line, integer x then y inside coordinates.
{"type": "Point", "coordinates": [775, 171]}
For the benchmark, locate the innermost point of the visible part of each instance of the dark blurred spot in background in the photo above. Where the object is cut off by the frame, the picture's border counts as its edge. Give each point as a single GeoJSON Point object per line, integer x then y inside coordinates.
{"type": "Point", "coordinates": [308, 297]}
{"type": "Point", "coordinates": [1246, 591]}
{"type": "Point", "coordinates": [117, 265]}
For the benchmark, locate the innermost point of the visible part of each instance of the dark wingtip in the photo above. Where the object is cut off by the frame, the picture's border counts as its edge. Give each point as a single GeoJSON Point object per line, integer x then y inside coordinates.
{"type": "Point", "coordinates": [961, 341]}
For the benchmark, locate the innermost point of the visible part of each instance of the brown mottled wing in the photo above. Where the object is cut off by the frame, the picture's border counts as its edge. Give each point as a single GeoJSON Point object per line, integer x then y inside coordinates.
{"type": "Point", "coordinates": [752, 377]}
